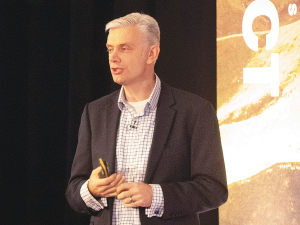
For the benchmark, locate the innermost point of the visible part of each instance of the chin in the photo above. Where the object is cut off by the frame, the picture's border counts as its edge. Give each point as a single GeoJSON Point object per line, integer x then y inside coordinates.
{"type": "Point", "coordinates": [117, 80]}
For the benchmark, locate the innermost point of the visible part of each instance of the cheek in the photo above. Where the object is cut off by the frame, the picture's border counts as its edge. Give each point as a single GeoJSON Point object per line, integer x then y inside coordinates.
{"type": "Point", "coordinates": [138, 68]}
{"type": "Point", "coordinates": [140, 63]}
{"type": "Point", "coordinates": [135, 63]}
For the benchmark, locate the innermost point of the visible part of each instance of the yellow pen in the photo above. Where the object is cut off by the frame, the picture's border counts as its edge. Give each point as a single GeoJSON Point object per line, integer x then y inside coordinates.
{"type": "Point", "coordinates": [103, 167]}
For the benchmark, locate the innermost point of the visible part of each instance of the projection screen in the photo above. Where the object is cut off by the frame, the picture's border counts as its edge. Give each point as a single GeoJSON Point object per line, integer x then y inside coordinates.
{"type": "Point", "coordinates": [258, 107]}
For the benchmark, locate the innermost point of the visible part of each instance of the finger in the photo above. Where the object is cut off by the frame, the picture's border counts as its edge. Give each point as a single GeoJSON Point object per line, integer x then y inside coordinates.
{"type": "Point", "coordinates": [106, 194]}
{"type": "Point", "coordinates": [128, 200]}
{"type": "Point", "coordinates": [106, 191]}
{"type": "Point", "coordinates": [121, 173]}
{"type": "Point", "coordinates": [121, 181]}
{"type": "Point", "coordinates": [108, 180]}
{"type": "Point", "coordinates": [123, 187]}
{"type": "Point", "coordinates": [110, 195]}
{"type": "Point", "coordinates": [124, 194]}
{"type": "Point", "coordinates": [133, 204]}
{"type": "Point", "coordinates": [109, 191]}
{"type": "Point", "coordinates": [97, 171]}
{"type": "Point", "coordinates": [117, 180]}
{"type": "Point", "coordinates": [104, 183]}
{"type": "Point", "coordinates": [106, 188]}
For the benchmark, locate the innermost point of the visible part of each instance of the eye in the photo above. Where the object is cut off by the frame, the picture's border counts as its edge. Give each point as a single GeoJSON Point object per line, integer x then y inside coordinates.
{"type": "Point", "coordinates": [109, 50]}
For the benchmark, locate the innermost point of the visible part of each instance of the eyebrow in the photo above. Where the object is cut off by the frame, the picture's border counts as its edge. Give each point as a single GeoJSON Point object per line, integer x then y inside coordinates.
{"type": "Point", "coordinates": [124, 44]}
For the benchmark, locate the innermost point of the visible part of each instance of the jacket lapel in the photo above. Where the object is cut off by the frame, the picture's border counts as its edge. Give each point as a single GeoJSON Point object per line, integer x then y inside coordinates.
{"type": "Point", "coordinates": [163, 122]}
{"type": "Point", "coordinates": [112, 125]}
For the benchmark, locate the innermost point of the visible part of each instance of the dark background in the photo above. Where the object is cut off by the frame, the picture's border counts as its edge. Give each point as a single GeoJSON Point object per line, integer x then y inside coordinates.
{"type": "Point", "coordinates": [53, 61]}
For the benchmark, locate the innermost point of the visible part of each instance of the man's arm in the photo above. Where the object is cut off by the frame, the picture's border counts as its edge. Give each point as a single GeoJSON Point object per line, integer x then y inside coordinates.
{"type": "Point", "coordinates": [82, 166]}
{"type": "Point", "coordinates": [82, 171]}
{"type": "Point", "coordinates": [207, 188]}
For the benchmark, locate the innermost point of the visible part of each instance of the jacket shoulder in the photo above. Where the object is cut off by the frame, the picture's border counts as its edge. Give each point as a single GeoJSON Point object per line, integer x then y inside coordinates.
{"type": "Point", "coordinates": [187, 99]}
{"type": "Point", "coordinates": [105, 100]}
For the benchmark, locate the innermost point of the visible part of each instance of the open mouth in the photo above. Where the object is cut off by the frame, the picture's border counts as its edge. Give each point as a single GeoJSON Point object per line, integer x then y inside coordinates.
{"type": "Point", "coordinates": [116, 71]}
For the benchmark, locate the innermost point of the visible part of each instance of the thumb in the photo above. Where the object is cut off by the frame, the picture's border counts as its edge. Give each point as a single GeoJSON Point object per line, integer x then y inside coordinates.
{"type": "Point", "coordinates": [97, 170]}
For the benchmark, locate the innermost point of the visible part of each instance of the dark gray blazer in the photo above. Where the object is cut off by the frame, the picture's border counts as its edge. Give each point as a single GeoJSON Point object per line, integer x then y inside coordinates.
{"type": "Point", "coordinates": [186, 156]}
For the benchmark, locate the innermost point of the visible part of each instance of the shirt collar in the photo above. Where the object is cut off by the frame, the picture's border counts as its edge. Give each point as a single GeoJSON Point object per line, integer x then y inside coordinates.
{"type": "Point", "coordinates": [151, 101]}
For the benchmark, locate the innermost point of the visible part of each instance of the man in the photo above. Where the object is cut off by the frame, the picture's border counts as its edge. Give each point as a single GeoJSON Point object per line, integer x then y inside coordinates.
{"type": "Point", "coordinates": [161, 144]}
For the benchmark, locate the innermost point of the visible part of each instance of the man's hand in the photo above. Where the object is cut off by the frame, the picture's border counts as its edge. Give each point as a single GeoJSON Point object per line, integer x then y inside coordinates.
{"type": "Point", "coordinates": [135, 194]}
{"type": "Point", "coordinates": [105, 187]}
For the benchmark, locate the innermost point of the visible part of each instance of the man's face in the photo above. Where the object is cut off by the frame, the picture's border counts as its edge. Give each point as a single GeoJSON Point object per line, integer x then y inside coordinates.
{"type": "Point", "coordinates": [127, 55]}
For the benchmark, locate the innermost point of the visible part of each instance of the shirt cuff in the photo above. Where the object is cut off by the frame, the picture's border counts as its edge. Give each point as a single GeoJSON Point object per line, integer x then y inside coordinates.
{"type": "Point", "coordinates": [89, 199]}
{"type": "Point", "coordinates": [157, 205]}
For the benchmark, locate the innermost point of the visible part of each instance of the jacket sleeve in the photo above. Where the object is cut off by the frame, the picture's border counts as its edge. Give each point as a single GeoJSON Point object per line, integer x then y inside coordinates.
{"type": "Point", "coordinates": [82, 166]}
{"type": "Point", "coordinates": [207, 187]}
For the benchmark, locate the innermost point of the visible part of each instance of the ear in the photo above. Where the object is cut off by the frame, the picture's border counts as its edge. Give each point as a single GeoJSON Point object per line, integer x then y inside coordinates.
{"type": "Point", "coordinates": [153, 54]}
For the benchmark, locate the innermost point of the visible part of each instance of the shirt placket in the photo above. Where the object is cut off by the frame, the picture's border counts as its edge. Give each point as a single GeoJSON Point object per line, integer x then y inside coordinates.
{"type": "Point", "coordinates": [132, 162]}
{"type": "Point", "coordinates": [133, 149]}
{"type": "Point", "coordinates": [127, 159]}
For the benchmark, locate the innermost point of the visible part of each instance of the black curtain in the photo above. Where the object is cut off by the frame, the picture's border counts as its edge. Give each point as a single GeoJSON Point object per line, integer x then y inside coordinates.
{"type": "Point", "coordinates": [54, 61]}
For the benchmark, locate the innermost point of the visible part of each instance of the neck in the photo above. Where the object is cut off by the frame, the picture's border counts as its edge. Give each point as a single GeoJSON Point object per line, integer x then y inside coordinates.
{"type": "Point", "coordinates": [140, 91]}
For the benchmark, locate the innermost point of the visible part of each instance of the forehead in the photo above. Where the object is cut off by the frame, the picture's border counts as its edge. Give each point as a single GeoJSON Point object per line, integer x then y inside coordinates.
{"type": "Point", "coordinates": [125, 35]}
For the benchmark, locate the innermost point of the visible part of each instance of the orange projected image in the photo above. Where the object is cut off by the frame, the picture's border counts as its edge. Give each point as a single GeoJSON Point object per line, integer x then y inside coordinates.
{"type": "Point", "coordinates": [258, 106]}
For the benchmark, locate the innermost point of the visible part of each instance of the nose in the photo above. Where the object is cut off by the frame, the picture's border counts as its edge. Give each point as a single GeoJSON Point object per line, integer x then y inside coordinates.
{"type": "Point", "coordinates": [114, 56]}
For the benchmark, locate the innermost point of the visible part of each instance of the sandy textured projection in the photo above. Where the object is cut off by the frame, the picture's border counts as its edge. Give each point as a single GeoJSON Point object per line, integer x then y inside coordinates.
{"type": "Point", "coordinates": [270, 197]}
{"type": "Point", "coordinates": [260, 133]}
{"type": "Point", "coordinates": [259, 130]}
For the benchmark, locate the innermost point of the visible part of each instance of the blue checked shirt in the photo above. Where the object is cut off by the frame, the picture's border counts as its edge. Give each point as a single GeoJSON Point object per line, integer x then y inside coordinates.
{"type": "Point", "coordinates": [132, 151]}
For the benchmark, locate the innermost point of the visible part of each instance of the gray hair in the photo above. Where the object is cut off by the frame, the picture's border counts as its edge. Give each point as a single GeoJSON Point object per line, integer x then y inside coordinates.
{"type": "Point", "coordinates": [147, 25]}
